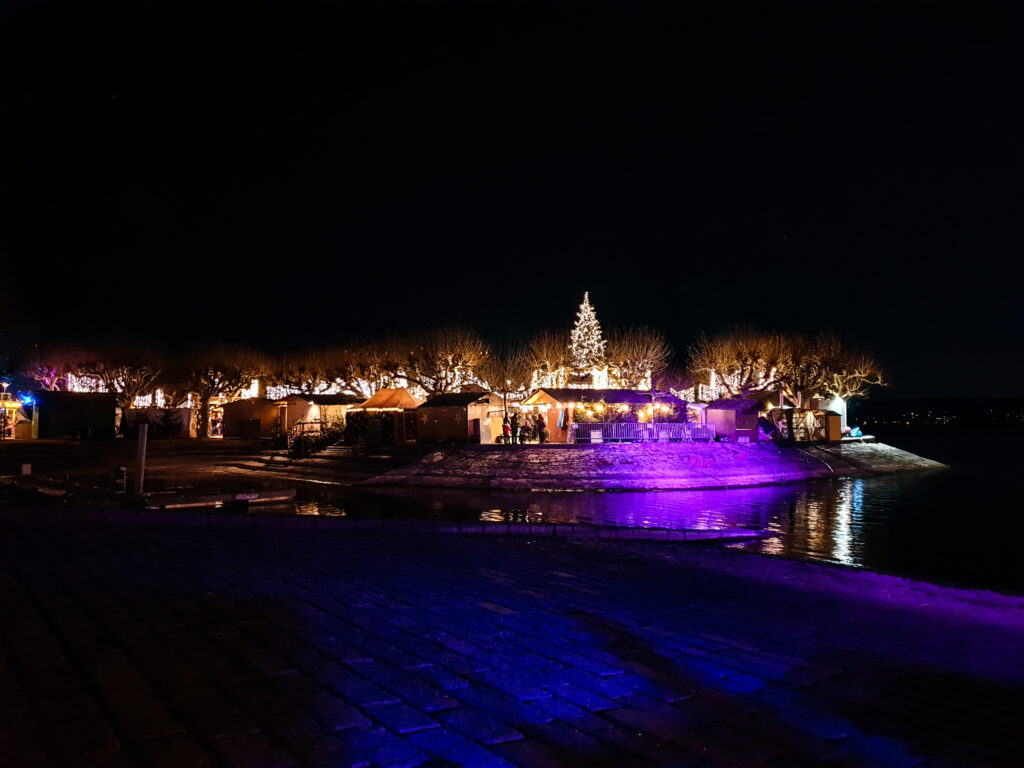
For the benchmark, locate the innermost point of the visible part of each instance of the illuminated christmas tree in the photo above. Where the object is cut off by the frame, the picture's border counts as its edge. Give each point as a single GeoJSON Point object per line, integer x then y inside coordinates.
{"type": "Point", "coordinates": [586, 344]}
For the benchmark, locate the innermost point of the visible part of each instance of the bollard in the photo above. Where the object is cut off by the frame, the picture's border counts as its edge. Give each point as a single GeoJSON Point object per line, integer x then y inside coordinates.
{"type": "Point", "coordinates": [140, 458]}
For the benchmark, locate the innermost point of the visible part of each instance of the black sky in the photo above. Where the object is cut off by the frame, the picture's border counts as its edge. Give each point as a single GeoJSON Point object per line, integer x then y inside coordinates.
{"type": "Point", "coordinates": [298, 173]}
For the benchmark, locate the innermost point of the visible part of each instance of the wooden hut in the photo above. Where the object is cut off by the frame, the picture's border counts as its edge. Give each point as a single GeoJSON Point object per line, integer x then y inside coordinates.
{"type": "Point", "coordinates": [460, 417]}
{"type": "Point", "coordinates": [734, 419]}
{"type": "Point", "coordinates": [74, 415]}
{"type": "Point", "coordinates": [250, 418]}
{"type": "Point", "coordinates": [559, 408]}
{"type": "Point", "coordinates": [387, 417]}
{"type": "Point", "coordinates": [306, 413]}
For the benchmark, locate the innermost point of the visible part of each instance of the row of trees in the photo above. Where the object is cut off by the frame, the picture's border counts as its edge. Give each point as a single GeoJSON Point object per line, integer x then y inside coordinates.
{"type": "Point", "coordinates": [745, 362]}
{"type": "Point", "coordinates": [446, 359]}
{"type": "Point", "coordinates": [436, 360]}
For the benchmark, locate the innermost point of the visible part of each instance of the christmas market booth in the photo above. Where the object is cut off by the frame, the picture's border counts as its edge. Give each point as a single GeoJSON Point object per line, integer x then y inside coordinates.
{"type": "Point", "coordinates": [251, 418]}
{"type": "Point", "coordinates": [735, 419]}
{"type": "Point", "coordinates": [74, 415]}
{"type": "Point", "coordinates": [387, 418]}
{"type": "Point", "coordinates": [460, 417]}
{"type": "Point", "coordinates": [314, 414]}
{"type": "Point", "coordinates": [592, 409]}
{"type": "Point", "coordinates": [808, 425]}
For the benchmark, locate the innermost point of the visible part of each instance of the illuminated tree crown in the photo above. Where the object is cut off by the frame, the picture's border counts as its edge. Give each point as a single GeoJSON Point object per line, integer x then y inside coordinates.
{"type": "Point", "coordinates": [586, 343]}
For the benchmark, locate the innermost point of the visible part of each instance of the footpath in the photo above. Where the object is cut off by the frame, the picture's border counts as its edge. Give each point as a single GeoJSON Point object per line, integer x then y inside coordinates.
{"type": "Point", "coordinates": [176, 644]}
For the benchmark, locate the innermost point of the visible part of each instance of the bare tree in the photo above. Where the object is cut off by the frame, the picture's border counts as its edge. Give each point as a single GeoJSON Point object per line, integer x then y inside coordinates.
{"type": "Point", "coordinates": [507, 370]}
{"type": "Point", "coordinates": [672, 379]}
{"type": "Point", "coordinates": [639, 353]}
{"type": "Point", "coordinates": [548, 353]}
{"type": "Point", "coordinates": [49, 367]}
{"type": "Point", "coordinates": [848, 372]}
{"type": "Point", "coordinates": [127, 370]}
{"type": "Point", "coordinates": [311, 372]}
{"type": "Point", "coordinates": [741, 362]}
{"type": "Point", "coordinates": [174, 379]}
{"type": "Point", "coordinates": [444, 359]}
{"type": "Point", "coordinates": [801, 373]}
{"type": "Point", "coordinates": [370, 365]}
{"type": "Point", "coordinates": [221, 371]}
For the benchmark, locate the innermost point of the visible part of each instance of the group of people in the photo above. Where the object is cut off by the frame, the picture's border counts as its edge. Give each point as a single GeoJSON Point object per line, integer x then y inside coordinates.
{"type": "Point", "coordinates": [519, 431]}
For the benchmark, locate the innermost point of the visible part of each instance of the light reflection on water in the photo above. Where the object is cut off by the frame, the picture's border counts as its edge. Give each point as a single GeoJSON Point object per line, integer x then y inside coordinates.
{"type": "Point", "coordinates": [822, 520]}
{"type": "Point", "coordinates": [959, 526]}
{"type": "Point", "coordinates": [951, 526]}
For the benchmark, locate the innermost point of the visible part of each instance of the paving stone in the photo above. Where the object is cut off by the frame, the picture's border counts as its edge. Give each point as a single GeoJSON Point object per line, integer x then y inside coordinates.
{"type": "Point", "coordinates": [583, 697]}
{"type": "Point", "coordinates": [192, 685]}
{"type": "Point", "coordinates": [641, 748]}
{"type": "Point", "coordinates": [565, 739]}
{"type": "Point", "coordinates": [501, 706]}
{"type": "Point", "coordinates": [384, 748]}
{"type": "Point", "coordinates": [654, 717]}
{"type": "Point", "coordinates": [334, 713]}
{"type": "Point", "coordinates": [296, 686]}
{"type": "Point", "coordinates": [524, 688]}
{"type": "Point", "coordinates": [532, 753]}
{"type": "Point", "coordinates": [421, 693]}
{"type": "Point", "coordinates": [740, 660]}
{"type": "Point", "coordinates": [401, 717]}
{"type": "Point", "coordinates": [67, 705]}
{"type": "Point", "coordinates": [754, 746]}
{"type": "Point", "coordinates": [21, 740]}
{"type": "Point", "coordinates": [138, 712]}
{"type": "Point", "coordinates": [81, 740]}
{"type": "Point", "coordinates": [605, 687]}
{"type": "Point", "coordinates": [441, 677]}
{"type": "Point", "coordinates": [360, 692]}
{"type": "Point", "coordinates": [569, 713]}
{"type": "Point", "coordinates": [215, 717]}
{"type": "Point", "coordinates": [314, 745]}
{"type": "Point", "coordinates": [766, 725]}
{"type": "Point", "coordinates": [469, 753]}
{"type": "Point", "coordinates": [437, 741]}
{"type": "Point", "coordinates": [177, 751]}
{"type": "Point", "coordinates": [254, 750]}
{"type": "Point", "coordinates": [477, 726]}
{"type": "Point", "coordinates": [653, 687]}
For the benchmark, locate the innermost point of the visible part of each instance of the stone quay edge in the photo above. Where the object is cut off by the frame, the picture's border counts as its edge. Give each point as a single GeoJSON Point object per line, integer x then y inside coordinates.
{"type": "Point", "coordinates": [646, 466]}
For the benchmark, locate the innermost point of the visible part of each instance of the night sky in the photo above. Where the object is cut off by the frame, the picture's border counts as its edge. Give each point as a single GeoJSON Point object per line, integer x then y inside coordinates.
{"type": "Point", "coordinates": [298, 173]}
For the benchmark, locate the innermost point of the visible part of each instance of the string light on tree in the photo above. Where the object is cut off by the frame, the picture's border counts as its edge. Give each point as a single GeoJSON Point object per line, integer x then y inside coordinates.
{"type": "Point", "coordinates": [586, 343]}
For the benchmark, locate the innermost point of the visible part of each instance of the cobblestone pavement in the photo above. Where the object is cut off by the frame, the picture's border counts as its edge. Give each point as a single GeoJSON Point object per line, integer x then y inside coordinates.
{"type": "Point", "coordinates": [175, 645]}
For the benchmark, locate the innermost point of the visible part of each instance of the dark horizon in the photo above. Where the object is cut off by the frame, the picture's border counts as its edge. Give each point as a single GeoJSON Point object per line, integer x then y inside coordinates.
{"type": "Point", "coordinates": [293, 177]}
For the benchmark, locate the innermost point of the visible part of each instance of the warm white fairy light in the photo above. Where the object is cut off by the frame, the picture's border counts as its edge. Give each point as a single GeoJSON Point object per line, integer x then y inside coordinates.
{"type": "Point", "coordinates": [586, 343]}
{"type": "Point", "coordinates": [84, 384]}
{"type": "Point", "coordinates": [253, 390]}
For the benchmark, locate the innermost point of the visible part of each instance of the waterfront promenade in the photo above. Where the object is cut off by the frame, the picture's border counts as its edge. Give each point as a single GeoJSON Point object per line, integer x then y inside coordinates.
{"type": "Point", "coordinates": [263, 644]}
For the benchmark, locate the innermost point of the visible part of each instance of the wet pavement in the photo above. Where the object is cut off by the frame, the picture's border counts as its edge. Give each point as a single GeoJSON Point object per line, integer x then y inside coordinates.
{"type": "Point", "coordinates": [176, 644]}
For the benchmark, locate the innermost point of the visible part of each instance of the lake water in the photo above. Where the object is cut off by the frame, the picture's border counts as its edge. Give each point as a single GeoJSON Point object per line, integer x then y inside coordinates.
{"type": "Point", "coordinates": [961, 526]}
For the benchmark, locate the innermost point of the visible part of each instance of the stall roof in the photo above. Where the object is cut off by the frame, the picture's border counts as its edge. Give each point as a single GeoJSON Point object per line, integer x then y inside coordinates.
{"type": "Point", "coordinates": [457, 399]}
{"type": "Point", "coordinates": [736, 404]}
{"type": "Point", "coordinates": [609, 396]}
{"type": "Point", "coordinates": [325, 399]}
{"type": "Point", "coordinates": [390, 400]}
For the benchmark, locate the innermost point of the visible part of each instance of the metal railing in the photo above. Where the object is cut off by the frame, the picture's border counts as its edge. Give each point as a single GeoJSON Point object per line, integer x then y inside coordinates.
{"type": "Point", "coordinates": [304, 428]}
{"type": "Point", "coordinates": [631, 432]}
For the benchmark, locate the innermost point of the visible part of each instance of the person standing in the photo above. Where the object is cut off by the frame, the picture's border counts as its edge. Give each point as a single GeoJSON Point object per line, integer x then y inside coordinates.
{"type": "Point", "coordinates": [514, 424]}
{"type": "Point", "coordinates": [506, 430]}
